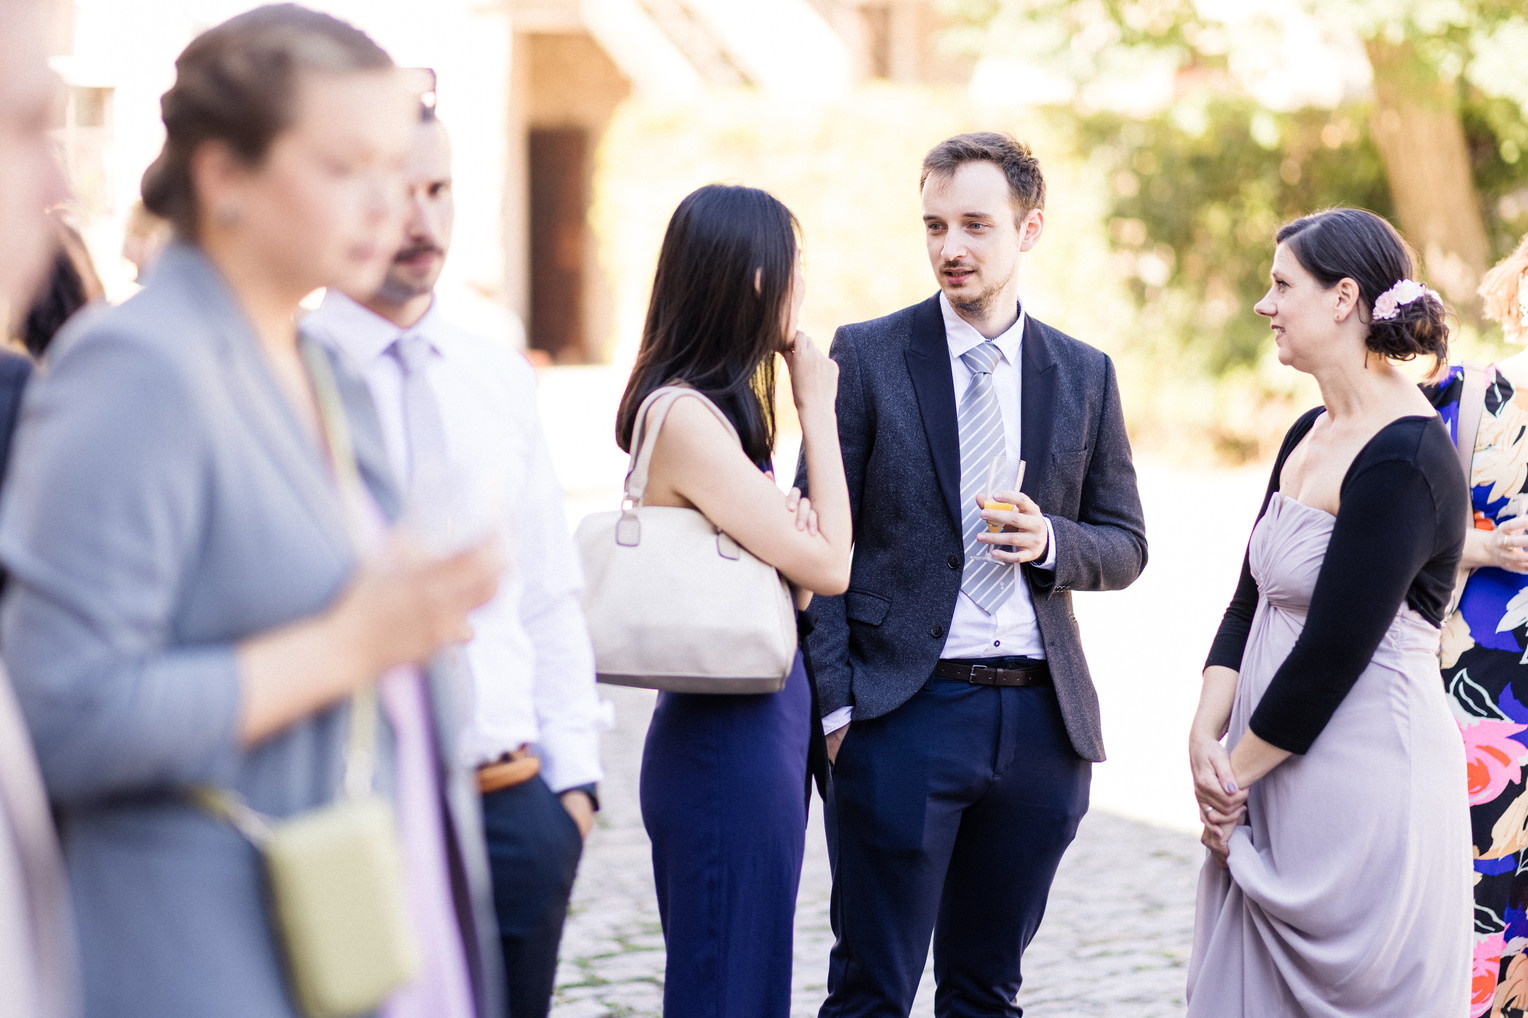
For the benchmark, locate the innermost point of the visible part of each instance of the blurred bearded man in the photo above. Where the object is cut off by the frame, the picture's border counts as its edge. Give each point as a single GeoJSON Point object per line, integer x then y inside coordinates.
{"type": "Point", "coordinates": [459, 413]}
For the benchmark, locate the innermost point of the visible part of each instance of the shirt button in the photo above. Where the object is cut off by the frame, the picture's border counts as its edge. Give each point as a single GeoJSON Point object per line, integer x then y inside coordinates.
{"type": "Point", "coordinates": [997, 643]}
{"type": "Point", "coordinates": [936, 632]}
{"type": "Point", "coordinates": [954, 561]}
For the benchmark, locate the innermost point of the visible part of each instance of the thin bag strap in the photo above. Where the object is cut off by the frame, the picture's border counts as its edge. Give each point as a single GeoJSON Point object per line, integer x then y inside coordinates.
{"type": "Point", "coordinates": [361, 748]}
{"type": "Point", "coordinates": [1472, 404]}
{"type": "Point", "coordinates": [361, 742]}
{"type": "Point", "coordinates": [660, 401]}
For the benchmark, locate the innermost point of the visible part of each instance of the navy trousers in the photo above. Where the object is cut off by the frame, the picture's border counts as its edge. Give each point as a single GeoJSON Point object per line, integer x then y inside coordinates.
{"type": "Point", "coordinates": [947, 818]}
{"type": "Point", "coordinates": [723, 783]}
{"type": "Point", "coordinates": [533, 852]}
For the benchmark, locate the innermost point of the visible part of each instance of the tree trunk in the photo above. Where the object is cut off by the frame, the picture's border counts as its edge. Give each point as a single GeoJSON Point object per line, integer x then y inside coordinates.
{"type": "Point", "coordinates": [1421, 143]}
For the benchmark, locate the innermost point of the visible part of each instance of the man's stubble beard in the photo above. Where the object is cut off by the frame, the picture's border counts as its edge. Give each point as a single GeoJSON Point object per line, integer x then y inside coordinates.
{"type": "Point", "coordinates": [982, 304]}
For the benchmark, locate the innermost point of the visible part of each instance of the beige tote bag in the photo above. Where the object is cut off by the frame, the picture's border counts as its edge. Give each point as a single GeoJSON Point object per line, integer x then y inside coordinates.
{"type": "Point", "coordinates": [672, 602]}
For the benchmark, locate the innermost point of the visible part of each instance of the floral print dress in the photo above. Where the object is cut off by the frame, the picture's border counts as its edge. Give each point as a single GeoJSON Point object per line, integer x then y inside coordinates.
{"type": "Point", "coordinates": [1485, 670]}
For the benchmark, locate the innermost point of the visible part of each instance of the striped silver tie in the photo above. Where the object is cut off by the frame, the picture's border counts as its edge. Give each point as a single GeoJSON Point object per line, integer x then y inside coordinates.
{"type": "Point", "coordinates": [980, 420]}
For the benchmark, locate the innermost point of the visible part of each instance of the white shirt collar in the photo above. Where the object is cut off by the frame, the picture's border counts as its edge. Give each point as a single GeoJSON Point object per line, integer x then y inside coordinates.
{"type": "Point", "coordinates": [361, 333]}
{"type": "Point", "coordinates": [963, 337]}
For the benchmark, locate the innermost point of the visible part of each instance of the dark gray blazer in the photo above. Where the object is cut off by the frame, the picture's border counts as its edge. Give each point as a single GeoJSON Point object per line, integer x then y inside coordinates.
{"type": "Point", "coordinates": [875, 645]}
{"type": "Point", "coordinates": [163, 503]}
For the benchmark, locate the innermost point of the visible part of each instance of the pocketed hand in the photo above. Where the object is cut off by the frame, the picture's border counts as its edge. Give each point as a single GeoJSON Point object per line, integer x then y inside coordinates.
{"type": "Point", "coordinates": [581, 808]}
{"type": "Point", "coordinates": [834, 739]}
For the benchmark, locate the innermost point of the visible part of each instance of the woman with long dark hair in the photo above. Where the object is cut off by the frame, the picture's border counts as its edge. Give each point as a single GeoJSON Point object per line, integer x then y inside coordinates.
{"type": "Point", "coordinates": [1338, 874]}
{"type": "Point", "coordinates": [724, 776]}
{"type": "Point", "coordinates": [195, 599]}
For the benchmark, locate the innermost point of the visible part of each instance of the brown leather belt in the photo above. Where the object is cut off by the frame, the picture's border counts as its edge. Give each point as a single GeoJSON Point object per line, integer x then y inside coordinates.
{"type": "Point", "coordinates": [1037, 674]}
{"type": "Point", "coordinates": [513, 768]}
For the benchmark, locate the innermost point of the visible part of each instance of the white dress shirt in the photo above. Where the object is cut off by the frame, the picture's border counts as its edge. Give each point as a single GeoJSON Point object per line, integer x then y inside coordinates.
{"type": "Point", "coordinates": [1012, 630]}
{"type": "Point", "coordinates": [531, 661]}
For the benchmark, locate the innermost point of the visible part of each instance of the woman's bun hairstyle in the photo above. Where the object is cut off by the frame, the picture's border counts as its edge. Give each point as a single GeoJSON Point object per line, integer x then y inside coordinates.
{"type": "Point", "coordinates": [236, 83]}
{"type": "Point", "coordinates": [1418, 328]}
{"type": "Point", "coordinates": [1356, 244]}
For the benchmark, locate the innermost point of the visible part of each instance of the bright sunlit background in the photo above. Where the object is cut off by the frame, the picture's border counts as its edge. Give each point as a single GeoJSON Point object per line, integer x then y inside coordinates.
{"type": "Point", "coordinates": [1176, 136]}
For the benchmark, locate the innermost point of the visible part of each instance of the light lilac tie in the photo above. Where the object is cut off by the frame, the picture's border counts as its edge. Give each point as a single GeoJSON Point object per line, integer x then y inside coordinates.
{"type": "Point", "coordinates": [426, 434]}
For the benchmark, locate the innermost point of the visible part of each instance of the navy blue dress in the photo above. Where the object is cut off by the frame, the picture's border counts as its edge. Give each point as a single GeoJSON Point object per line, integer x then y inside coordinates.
{"type": "Point", "coordinates": [723, 782]}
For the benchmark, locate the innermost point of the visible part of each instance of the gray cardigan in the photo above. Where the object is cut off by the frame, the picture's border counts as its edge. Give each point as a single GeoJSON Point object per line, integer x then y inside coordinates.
{"type": "Point", "coordinates": [163, 503]}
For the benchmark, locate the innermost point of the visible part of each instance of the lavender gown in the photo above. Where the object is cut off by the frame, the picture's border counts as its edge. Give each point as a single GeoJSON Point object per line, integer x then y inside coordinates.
{"type": "Point", "coordinates": [1348, 893]}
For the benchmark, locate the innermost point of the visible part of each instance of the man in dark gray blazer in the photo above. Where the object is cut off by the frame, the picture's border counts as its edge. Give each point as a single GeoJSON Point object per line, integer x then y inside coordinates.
{"type": "Point", "coordinates": [960, 715]}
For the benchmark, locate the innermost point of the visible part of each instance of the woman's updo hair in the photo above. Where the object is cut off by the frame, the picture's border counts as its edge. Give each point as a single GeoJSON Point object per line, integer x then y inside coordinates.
{"type": "Point", "coordinates": [1354, 244]}
{"type": "Point", "coordinates": [236, 83]}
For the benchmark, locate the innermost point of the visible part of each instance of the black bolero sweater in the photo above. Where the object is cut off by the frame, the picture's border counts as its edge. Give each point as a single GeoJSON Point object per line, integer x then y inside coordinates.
{"type": "Point", "coordinates": [1398, 536]}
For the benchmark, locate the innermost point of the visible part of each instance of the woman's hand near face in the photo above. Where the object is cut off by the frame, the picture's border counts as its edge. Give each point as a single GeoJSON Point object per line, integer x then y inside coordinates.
{"type": "Point", "coordinates": [400, 607]}
{"type": "Point", "coordinates": [814, 378]}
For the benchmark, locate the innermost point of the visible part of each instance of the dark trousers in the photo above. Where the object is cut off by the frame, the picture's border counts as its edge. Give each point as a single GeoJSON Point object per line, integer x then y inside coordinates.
{"type": "Point", "coordinates": [947, 817]}
{"type": "Point", "coordinates": [533, 852]}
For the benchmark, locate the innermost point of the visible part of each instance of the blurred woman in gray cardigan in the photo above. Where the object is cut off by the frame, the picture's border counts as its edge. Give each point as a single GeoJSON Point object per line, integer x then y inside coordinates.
{"type": "Point", "coordinates": [186, 607]}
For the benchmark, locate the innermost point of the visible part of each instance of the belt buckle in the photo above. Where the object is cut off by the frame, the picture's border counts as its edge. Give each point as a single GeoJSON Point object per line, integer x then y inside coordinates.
{"type": "Point", "coordinates": [979, 673]}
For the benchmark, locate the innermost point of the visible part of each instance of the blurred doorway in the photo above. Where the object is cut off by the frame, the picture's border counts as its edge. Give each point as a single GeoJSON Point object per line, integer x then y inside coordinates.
{"type": "Point", "coordinates": [559, 175]}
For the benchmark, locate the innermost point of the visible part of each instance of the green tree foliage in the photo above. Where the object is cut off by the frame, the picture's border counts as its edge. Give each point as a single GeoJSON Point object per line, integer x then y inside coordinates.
{"type": "Point", "coordinates": [1197, 187]}
{"type": "Point", "coordinates": [1195, 227]}
{"type": "Point", "coordinates": [1196, 201]}
{"type": "Point", "coordinates": [1087, 40]}
{"type": "Point", "coordinates": [1497, 130]}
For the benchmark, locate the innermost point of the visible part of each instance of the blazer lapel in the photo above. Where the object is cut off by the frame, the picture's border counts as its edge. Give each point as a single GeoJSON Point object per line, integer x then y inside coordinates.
{"type": "Point", "coordinates": [260, 402]}
{"type": "Point", "coordinates": [1037, 396]}
{"type": "Point", "coordinates": [365, 433]}
{"type": "Point", "coordinates": [928, 365]}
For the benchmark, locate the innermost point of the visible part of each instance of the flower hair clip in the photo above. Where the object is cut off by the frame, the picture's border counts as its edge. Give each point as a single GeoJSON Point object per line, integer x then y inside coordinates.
{"type": "Point", "coordinates": [1407, 290]}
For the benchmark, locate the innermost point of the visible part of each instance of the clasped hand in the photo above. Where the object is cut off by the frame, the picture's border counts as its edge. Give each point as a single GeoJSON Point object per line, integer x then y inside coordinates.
{"type": "Point", "coordinates": [1024, 537]}
{"type": "Point", "coordinates": [1222, 803]}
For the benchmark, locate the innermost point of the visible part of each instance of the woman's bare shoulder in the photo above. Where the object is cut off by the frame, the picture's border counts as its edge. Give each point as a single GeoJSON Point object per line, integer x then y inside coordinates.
{"type": "Point", "coordinates": [693, 424]}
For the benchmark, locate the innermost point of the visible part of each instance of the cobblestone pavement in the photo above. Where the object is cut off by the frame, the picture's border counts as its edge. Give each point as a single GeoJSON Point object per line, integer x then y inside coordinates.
{"type": "Point", "coordinates": [1115, 939]}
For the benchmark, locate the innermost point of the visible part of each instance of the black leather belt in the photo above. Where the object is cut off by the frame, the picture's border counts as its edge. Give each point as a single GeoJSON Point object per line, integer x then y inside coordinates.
{"type": "Point", "coordinates": [1037, 674]}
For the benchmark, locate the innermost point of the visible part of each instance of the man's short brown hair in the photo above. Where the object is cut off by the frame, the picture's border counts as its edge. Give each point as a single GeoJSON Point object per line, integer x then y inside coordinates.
{"type": "Point", "coordinates": [1026, 185]}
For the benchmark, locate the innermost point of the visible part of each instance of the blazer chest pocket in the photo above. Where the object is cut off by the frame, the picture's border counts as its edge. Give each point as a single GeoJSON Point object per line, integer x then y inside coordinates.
{"type": "Point", "coordinates": [1062, 490]}
{"type": "Point", "coordinates": [867, 608]}
{"type": "Point", "coordinates": [1070, 460]}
